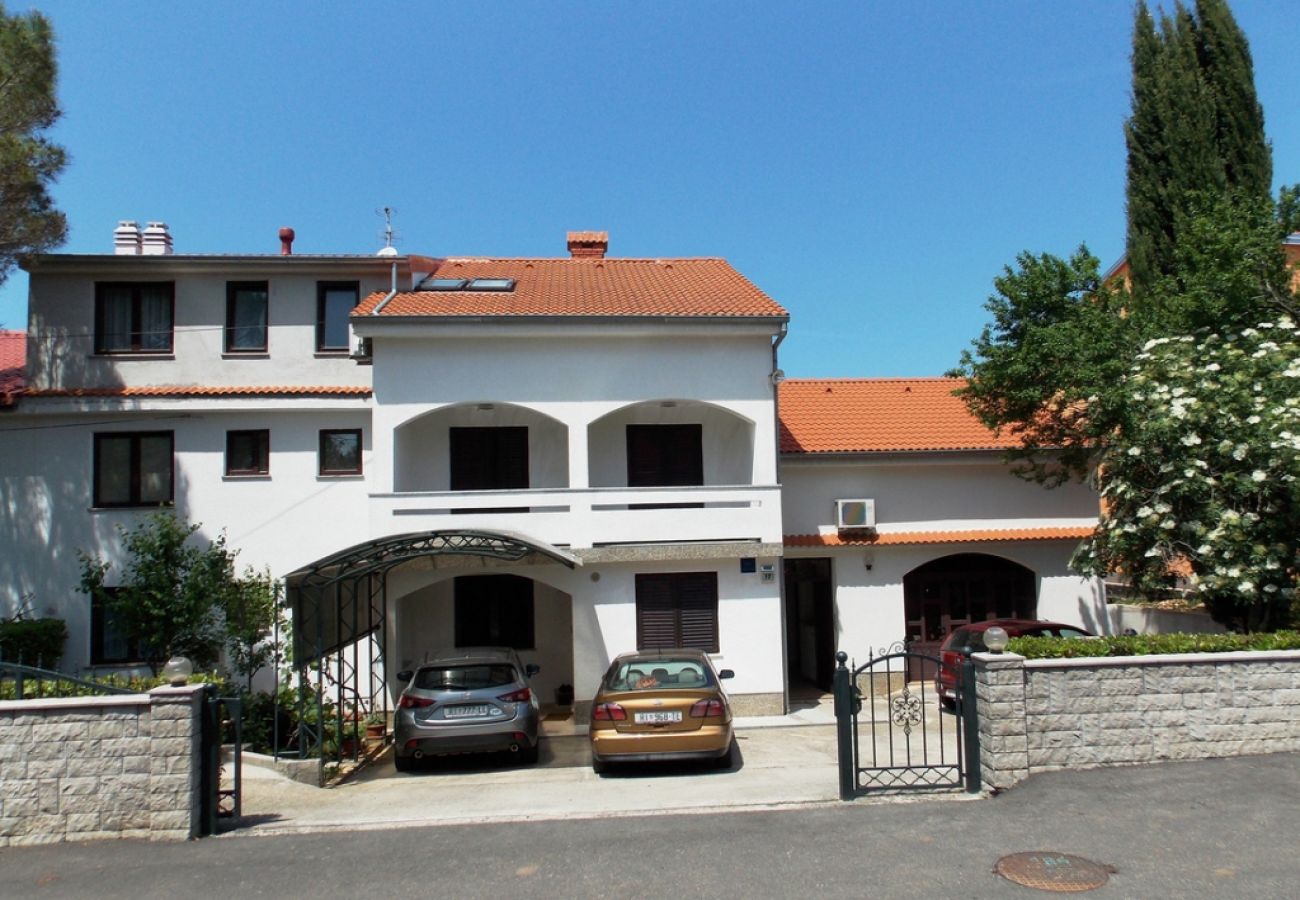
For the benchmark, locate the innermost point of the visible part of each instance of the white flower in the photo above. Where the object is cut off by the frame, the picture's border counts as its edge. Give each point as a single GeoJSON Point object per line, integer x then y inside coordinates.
{"type": "Point", "coordinates": [1190, 440]}
{"type": "Point", "coordinates": [1134, 451]}
{"type": "Point", "coordinates": [1246, 587]}
{"type": "Point", "coordinates": [1144, 512]}
{"type": "Point", "coordinates": [1213, 367]}
{"type": "Point", "coordinates": [1258, 475]}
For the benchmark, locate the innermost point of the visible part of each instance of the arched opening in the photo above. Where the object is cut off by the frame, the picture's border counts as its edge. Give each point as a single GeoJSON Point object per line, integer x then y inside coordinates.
{"type": "Point", "coordinates": [963, 588]}
{"type": "Point", "coordinates": [670, 442]}
{"type": "Point", "coordinates": [489, 442]}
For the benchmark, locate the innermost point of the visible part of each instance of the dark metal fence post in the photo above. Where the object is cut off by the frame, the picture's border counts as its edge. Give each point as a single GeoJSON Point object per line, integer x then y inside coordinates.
{"type": "Point", "coordinates": [843, 692]}
{"type": "Point", "coordinates": [970, 725]}
{"type": "Point", "coordinates": [210, 760]}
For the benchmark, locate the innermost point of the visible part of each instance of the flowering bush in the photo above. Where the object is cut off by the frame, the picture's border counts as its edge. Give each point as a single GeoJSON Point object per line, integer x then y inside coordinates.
{"type": "Point", "coordinates": [1202, 474]}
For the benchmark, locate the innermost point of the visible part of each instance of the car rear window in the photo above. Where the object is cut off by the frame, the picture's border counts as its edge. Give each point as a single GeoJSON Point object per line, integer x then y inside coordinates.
{"type": "Point", "coordinates": [649, 674]}
{"type": "Point", "coordinates": [464, 678]}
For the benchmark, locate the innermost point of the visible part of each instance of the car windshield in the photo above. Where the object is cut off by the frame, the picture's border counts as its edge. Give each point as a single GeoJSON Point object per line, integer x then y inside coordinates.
{"type": "Point", "coordinates": [464, 678]}
{"type": "Point", "coordinates": [651, 674]}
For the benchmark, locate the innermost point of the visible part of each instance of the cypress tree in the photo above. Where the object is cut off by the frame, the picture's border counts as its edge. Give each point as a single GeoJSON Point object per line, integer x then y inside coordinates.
{"type": "Point", "coordinates": [1195, 138]}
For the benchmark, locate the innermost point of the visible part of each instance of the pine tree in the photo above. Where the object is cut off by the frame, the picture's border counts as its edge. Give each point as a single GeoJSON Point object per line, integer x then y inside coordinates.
{"type": "Point", "coordinates": [29, 223]}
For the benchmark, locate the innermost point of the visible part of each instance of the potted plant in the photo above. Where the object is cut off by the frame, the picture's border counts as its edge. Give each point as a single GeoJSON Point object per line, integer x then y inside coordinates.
{"type": "Point", "coordinates": [376, 726]}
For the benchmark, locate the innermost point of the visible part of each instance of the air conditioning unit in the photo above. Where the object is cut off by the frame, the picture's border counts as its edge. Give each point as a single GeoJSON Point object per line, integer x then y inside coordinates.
{"type": "Point", "coordinates": [855, 515]}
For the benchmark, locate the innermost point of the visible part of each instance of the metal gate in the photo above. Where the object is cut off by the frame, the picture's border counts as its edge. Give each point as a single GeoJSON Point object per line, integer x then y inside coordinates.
{"type": "Point", "coordinates": [219, 787]}
{"type": "Point", "coordinates": [893, 731]}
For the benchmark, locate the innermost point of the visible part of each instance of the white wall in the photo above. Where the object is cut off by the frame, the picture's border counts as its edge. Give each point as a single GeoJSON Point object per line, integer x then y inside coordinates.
{"type": "Point", "coordinates": [62, 316]}
{"type": "Point", "coordinates": [869, 604]}
{"type": "Point", "coordinates": [919, 496]}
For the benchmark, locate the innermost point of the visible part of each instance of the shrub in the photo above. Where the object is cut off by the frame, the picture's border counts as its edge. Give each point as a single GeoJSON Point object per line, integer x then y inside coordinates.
{"type": "Point", "coordinates": [33, 642]}
{"type": "Point", "coordinates": [1150, 644]}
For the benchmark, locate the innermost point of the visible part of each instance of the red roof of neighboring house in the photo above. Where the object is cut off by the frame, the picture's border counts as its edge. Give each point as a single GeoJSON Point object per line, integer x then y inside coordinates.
{"type": "Point", "coordinates": [190, 390]}
{"type": "Point", "coordinates": [590, 286]}
{"type": "Point", "coordinates": [13, 363]}
{"type": "Point", "coordinates": [939, 537]}
{"type": "Point", "coordinates": [880, 415]}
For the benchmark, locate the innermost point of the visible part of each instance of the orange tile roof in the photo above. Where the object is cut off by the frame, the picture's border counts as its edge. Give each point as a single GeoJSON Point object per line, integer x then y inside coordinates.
{"type": "Point", "coordinates": [977, 535]}
{"type": "Point", "coordinates": [13, 362]}
{"type": "Point", "coordinates": [588, 287]}
{"type": "Point", "coordinates": [190, 390]}
{"type": "Point", "coordinates": [880, 415]}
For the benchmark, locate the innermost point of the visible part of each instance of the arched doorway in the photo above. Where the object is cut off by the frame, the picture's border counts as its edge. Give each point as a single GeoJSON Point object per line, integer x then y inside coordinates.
{"type": "Point", "coordinates": [963, 588]}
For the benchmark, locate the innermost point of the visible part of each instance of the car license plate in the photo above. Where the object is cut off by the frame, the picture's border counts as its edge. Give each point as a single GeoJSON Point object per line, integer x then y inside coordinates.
{"type": "Point", "coordinates": [467, 712]}
{"type": "Point", "coordinates": [658, 718]}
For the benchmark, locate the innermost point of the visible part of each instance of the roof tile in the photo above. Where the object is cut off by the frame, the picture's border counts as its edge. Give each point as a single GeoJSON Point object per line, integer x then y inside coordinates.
{"type": "Point", "coordinates": [880, 415]}
{"type": "Point", "coordinates": [587, 287]}
{"type": "Point", "coordinates": [939, 537]}
{"type": "Point", "coordinates": [190, 390]}
{"type": "Point", "coordinates": [13, 362]}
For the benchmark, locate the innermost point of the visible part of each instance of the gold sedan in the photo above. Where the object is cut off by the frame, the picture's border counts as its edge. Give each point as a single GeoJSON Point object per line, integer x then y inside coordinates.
{"type": "Point", "coordinates": [661, 705]}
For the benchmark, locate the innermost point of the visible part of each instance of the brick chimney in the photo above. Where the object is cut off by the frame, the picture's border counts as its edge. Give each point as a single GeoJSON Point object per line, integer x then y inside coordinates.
{"type": "Point", "coordinates": [157, 240]}
{"type": "Point", "coordinates": [588, 244]}
{"type": "Point", "coordinates": [126, 238]}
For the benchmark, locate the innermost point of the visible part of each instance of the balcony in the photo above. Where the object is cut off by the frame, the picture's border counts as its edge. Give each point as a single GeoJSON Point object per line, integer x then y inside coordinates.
{"type": "Point", "coordinates": [591, 517]}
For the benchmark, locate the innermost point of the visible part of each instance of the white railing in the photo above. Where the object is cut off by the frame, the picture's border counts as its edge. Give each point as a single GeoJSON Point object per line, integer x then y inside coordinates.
{"type": "Point", "coordinates": [587, 517]}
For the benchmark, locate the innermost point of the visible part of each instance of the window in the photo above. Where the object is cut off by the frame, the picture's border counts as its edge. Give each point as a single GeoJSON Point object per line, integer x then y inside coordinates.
{"type": "Point", "coordinates": [246, 316]}
{"type": "Point", "coordinates": [334, 301]}
{"type": "Point", "coordinates": [133, 317]}
{"type": "Point", "coordinates": [107, 643]}
{"type": "Point", "coordinates": [340, 451]}
{"type": "Point", "coordinates": [248, 452]}
{"type": "Point", "coordinates": [677, 609]}
{"type": "Point", "coordinates": [494, 611]}
{"type": "Point", "coordinates": [134, 468]}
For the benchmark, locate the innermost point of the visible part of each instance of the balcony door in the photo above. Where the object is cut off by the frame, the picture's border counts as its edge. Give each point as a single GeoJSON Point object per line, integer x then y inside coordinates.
{"type": "Point", "coordinates": [665, 456]}
{"type": "Point", "coordinates": [489, 459]}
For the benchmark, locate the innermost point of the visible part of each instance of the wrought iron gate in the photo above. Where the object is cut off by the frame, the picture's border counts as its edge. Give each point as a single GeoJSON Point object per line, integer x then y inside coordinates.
{"type": "Point", "coordinates": [219, 788]}
{"type": "Point", "coordinates": [895, 734]}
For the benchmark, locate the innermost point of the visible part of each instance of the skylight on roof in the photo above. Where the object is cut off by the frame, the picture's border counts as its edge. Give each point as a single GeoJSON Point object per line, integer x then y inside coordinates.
{"type": "Point", "coordinates": [491, 284]}
{"type": "Point", "coordinates": [443, 284]}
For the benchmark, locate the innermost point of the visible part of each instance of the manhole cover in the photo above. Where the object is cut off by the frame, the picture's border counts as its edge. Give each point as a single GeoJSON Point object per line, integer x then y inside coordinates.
{"type": "Point", "coordinates": [1050, 871]}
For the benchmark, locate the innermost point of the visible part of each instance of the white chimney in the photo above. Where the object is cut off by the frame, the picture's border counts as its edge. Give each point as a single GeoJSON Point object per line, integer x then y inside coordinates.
{"type": "Point", "coordinates": [157, 240]}
{"type": "Point", "coordinates": [126, 238]}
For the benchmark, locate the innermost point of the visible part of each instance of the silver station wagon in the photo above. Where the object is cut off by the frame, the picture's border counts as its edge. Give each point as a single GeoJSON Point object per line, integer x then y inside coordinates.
{"type": "Point", "coordinates": [468, 700]}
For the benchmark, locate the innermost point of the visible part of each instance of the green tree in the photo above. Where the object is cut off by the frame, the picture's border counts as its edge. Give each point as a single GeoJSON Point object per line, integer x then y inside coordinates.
{"type": "Point", "coordinates": [251, 611]}
{"type": "Point", "coordinates": [1196, 132]}
{"type": "Point", "coordinates": [29, 162]}
{"type": "Point", "coordinates": [175, 597]}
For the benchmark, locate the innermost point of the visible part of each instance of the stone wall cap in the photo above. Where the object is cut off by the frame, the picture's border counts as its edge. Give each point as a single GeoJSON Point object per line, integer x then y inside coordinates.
{"type": "Point", "coordinates": [1164, 659]}
{"type": "Point", "coordinates": [998, 660]}
{"type": "Point", "coordinates": [166, 691]}
{"type": "Point", "coordinates": [38, 704]}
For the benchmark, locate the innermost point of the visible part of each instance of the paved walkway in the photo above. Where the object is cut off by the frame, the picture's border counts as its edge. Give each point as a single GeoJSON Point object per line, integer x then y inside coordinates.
{"type": "Point", "coordinates": [778, 761]}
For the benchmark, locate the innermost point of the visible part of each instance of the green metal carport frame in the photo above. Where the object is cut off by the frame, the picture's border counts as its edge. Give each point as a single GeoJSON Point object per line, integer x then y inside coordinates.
{"type": "Point", "coordinates": [339, 603]}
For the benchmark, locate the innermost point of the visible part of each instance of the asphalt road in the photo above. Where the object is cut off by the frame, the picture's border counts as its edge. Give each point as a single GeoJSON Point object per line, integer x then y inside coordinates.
{"type": "Point", "coordinates": [1220, 828]}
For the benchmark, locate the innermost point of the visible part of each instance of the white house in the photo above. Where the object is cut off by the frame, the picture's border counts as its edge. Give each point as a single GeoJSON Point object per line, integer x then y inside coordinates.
{"type": "Point", "coordinates": [576, 455]}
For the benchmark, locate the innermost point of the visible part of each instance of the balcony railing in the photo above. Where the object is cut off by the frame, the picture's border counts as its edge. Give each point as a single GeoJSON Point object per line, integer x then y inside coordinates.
{"type": "Point", "coordinates": [591, 517]}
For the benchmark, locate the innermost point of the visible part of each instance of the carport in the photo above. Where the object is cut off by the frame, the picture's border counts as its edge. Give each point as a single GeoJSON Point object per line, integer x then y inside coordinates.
{"type": "Point", "coordinates": [339, 612]}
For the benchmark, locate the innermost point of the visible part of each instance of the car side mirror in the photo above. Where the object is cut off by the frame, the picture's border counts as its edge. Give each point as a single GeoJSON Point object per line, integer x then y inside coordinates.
{"type": "Point", "coordinates": [532, 669]}
{"type": "Point", "coordinates": [405, 675]}
{"type": "Point", "coordinates": [726, 673]}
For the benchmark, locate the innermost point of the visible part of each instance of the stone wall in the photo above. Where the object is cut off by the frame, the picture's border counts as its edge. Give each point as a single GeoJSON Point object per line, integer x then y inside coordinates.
{"type": "Point", "coordinates": [87, 768]}
{"type": "Point", "coordinates": [1040, 715]}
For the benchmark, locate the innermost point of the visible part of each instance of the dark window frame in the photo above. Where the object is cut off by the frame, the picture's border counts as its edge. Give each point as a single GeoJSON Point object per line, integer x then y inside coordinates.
{"type": "Point", "coordinates": [234, 288]}
{"type": "Point", "coordinates": [137, 315]}
{"type": "Point", "coordinates": [99, 631]}
{"type": "Point", "coordinates": [320, 459]}
{"type": "Point", "coordinates": [668, 601]}
{"type": "Point", "coordinates": [135, 438]}
{"type": "Point", "coordinates": [262, 450]}
{"type": "Point", "coordinates": [322, 289]}
{"type": "Point", "coordinates": [494, 611]}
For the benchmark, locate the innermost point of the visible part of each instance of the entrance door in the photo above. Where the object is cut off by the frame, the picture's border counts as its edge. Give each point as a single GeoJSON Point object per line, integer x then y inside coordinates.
{"type": "Point", "coordinates": [958, 590]}
{"type": "Point", "coordinates": [810, 622]}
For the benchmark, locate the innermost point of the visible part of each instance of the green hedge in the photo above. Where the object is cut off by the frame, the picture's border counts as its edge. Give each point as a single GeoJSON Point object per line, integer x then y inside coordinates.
{"type": "Point", "coordinates": [34, 642]}
{"type": "Point", "coordinates": [33, 687]}
{"type": "Point", "coordinates": [1150, 644]}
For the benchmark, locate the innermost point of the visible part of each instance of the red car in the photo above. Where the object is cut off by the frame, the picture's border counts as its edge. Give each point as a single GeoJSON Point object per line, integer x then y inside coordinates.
{"type": "Point", "coordinates": [969, 639]}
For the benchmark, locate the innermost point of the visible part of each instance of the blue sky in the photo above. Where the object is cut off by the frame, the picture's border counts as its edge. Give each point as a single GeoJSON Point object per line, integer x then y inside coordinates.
{"type": "Point", "coordinates": [870, 165]}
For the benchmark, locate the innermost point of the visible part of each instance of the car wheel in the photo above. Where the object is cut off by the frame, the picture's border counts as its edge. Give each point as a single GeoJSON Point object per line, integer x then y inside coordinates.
{"type": "Point", "coordinates": [403, 763]}
{"type": "Point", "coordinates": [526, 754]}
{"type": "Point", "coordinates": [948, 703]}
{"type": "Point", "coordinates": [600, 767]}
{"type": "Point", "coordinates": [724, 761]}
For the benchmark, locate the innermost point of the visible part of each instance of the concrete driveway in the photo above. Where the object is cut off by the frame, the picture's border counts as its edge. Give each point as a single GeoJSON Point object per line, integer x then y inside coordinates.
{"type": "Point", "coordinates": [777, 761]}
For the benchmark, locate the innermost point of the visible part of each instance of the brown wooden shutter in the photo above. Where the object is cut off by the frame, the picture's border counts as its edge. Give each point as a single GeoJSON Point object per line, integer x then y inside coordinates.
{"type": "Point", "coordinates": [678, 609]}
{"type": "Point", "coordinates": [665, 455]}
{"type": "Point", "coordinates": [486, 459]}
{"type": "Point", "coordinates": [697, 601]}
{"type": "Point", "coordinates": [656, 617]}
